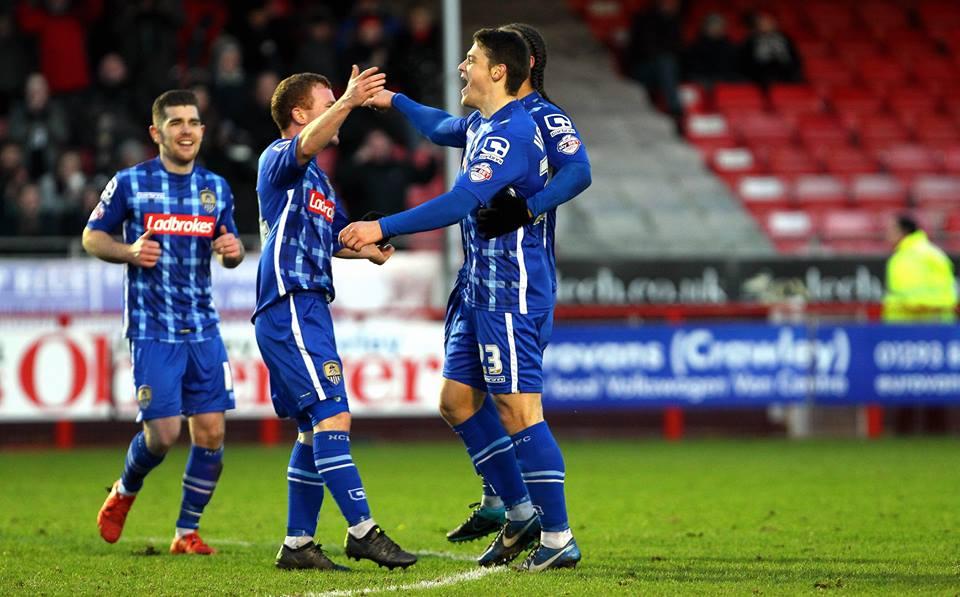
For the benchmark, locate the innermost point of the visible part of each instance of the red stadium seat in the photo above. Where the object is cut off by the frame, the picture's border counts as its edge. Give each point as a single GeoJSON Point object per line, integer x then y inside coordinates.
{"type": "Point", "coordinates": [852, 51]}
{"type": "Point", "coordinates": [827, 72]}
{"type": "Point", "coordinates": [937, 191]}
{"type": "Point", "coordinates": [708, 132]}
{"type": "Point", "coordinates": [909, 160]}
{"type": "Point", "coordinates": [936, 131]}
{"type": "Point", "coordinates": [877, 132]}
{"type": "Point", "coordinates": [693, 97]}
{"type": "Point", "coordinates": [788, 225]}
{"type": "Point", "coordinates": [878, 191]}
{"type": "Point", "coordinates": [762, 128]}
{"type": "Point", "coordinates": [939, 70]}
{"type": "Point", "coordinates": [820, 192]}
{"type": "Point", "coordinates": [818, 131]}
{"type": "Point", "coordinates": [829, 18]}
{"type": "Point", "coordinates": [851, 225]}
{"type": "Point", "coordinates": [763, 193]}
{"type": "Point", "coordinates": [881, 17]}
{"type": "Point", "coordinates": [951, 159]}
{"type": "Point", "coordinates": [879, 72]}
{"type": "Point", "coordinates": [790, 161]}
{"type": "Point", "coordinates": [910, 102]}
{"type": "Point", "coordinates": [795, 99]}
{"type": "Point", "coordinates": [810, 48]}
{"type": "Point", "coordinates": [736, 97]}
{"type": "Point", "coordinates": [733, 162]}
{"type": "Point", "coordinates": [845, 161]}
{"type": "Point", "coordinates": [854, 101]}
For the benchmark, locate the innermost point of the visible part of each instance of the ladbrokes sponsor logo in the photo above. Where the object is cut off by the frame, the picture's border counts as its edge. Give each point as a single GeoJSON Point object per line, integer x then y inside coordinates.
{"type": "Point", "coordinates": [319, 204]}
{"type": "Point", "coordinates": [180, 224]}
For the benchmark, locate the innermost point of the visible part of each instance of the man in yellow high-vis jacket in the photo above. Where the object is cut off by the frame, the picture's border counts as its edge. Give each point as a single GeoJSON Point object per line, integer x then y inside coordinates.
{"type": "Point", "coordinates": [920, 280]}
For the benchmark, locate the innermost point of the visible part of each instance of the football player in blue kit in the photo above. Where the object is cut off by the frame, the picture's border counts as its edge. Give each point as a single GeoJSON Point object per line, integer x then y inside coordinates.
{"type": "Point", "coordinates": [502, 304]}
{"type": "Point", "coordinates": [174, 216]}
{"type": "Point", "coordinates": [301, 216]}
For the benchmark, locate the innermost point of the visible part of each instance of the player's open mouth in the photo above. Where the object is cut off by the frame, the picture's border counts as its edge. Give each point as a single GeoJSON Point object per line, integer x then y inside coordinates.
{"type": "Point", "coordinates": [185, 143]}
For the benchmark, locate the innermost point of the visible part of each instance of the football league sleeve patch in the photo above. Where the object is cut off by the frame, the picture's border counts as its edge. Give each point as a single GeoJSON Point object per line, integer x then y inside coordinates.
{"type": "Point", "coordinates": [111, 211]}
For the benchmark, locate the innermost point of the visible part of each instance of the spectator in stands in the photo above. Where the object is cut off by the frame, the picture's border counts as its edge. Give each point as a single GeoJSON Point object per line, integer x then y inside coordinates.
{"type": "Point", "coordinates": [318, 51]}
{"type": "Point", "coordinates": [378, 175]}
{"type": "Point", "coordinates": [264, 32]}
{"type": "Point", "coordinates": [61, 190]}
{"type": "Point", "coordinates": [768, 55]}
{"type": "Point", "coordinates": [259, 125]}
{"type": "Point", "coordinates": [920, 279]}
{"type": "Point", "coordinates": [27, 217]}
{"type": "Point", "coordinates": [109, 112]}
{"type": "Point", "coordinates": [229, 80]}
{"type": "Point", "coordinates": [13, 175]}
{"type": "Point", "coordinates": [147, 34]}
{"type": "Point", "coordinates": [14, 63]}
{"type": "Point", "coordinates": [60, 28]}
{"type": "Point", "coordinates": [415, 61]}
{"type": "Point", "coordinates": [40, 125]}
{"type": "Point", "coordinates": [653, 52]}
{"type": "Point", "coordinates": [713, 57]}
{"type": "Point", "coordinates": [369, 46]}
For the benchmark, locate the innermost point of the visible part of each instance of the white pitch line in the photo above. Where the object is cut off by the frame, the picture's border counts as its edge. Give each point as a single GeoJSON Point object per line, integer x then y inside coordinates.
{"type": "Point", "coordinates": [443, 581]}
{"type": "Point", "coordinates": [447, 555]}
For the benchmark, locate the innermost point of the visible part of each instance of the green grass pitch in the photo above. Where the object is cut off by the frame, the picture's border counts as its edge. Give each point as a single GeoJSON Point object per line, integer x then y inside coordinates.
{"type": "Point", "coordinates": [768, 517]}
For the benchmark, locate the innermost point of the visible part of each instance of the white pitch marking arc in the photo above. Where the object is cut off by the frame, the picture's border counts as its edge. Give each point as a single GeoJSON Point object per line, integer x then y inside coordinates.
{"type": "Point", "coordinates": [443, 581]}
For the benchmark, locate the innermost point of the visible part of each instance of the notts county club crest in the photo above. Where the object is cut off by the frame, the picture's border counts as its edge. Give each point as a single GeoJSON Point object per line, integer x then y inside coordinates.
{"type": "Point", "coordinates": [144, 396]}
{"type": "Point", "coordinates": [331, 369]}
{"type": "Point", "coordinates": [208, 200]}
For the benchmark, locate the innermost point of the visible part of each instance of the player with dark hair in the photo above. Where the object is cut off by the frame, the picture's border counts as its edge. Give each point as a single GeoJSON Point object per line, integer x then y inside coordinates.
{"type": "Point", "coordinates": [174, 214]}
{"type": "Point", "coordinates": [300, 218]}
{"type": "Point", "coordinates": [503, 299]}
{"type": "Point", "coordinates": [570, 170]}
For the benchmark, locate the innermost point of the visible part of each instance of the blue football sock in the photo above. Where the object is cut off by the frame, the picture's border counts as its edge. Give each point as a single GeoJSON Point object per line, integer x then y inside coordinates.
{"type": "Point", "coordinates": [331, 456]}
{"type": "Point", "coordinates": [304, 492]}
{"type": "Point", "coordinates": [199, 481]}
{"type": "Point", "coordinates": [540, 460]}
{"type": "Point", "coordinates": [140, 461]}
{"type": "Point", "coordinates": [492, 453]}
{"type": "Point", "coordinates": [490, 417]}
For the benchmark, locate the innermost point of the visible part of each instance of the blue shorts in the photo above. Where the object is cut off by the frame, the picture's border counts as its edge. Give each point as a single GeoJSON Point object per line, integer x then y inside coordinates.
{"type": "Point", "coordinates": [295, 336]}
{"type": "Point", "coordinates": [501, 353]}
{"type": "Point", "coordinates": [182, 378]}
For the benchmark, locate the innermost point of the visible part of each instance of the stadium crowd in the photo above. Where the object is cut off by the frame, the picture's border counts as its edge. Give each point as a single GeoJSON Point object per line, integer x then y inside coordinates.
{"type": "Point", "coordinates": [78, 77]}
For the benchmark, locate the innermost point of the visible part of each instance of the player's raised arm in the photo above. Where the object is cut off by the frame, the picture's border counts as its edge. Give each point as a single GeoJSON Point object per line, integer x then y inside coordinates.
{"type": "Point", "coordinates": [435, 124]}
{"type": "Point", "coordinates": [320, 131]}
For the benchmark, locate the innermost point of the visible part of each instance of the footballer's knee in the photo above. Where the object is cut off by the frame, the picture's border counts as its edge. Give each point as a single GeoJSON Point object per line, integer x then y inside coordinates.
{"type": "Point", "coordinates": [519, 411]}
{"type": "Point", "coordinates": [207, 430]}
{"type": "Point", "coordinates": [459, 402]}
{"type": "Point", "coordinates": [338, 422]}
{"type": "Point", "coordinates": [161, 434]}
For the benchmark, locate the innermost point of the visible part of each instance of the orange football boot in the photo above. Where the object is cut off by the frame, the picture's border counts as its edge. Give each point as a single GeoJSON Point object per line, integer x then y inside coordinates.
{"type": "Point", "coordinates": [113, 513]}
{"type": "Point", "coordinates": [191, 543]}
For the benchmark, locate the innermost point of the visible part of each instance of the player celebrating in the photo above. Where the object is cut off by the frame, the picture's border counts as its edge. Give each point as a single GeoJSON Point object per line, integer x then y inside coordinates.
{"type": "Point", "coordinates": [301, 217]}
{"type": "Point", "coordinates": [571, 175]}
{"type": "Point", "coordinates": [176, 214]}
{"type": "Point", "coordinates": [503, 302]}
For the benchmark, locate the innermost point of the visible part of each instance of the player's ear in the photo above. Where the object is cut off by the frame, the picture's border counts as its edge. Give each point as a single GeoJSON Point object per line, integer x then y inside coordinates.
{"type": "Point", "coordinates": [298, 116]}
{"type": "Point", "coordinates": [155, 134]}
{"type": "Point", "coordinates": [498, 72]}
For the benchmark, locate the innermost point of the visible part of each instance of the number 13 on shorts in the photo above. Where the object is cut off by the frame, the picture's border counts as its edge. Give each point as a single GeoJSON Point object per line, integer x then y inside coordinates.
{"type": "Point", "coordinates": [490, 359]}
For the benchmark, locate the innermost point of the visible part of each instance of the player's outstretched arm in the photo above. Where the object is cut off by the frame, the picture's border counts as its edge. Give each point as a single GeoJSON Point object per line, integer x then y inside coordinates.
{"type": "Point", "coordinates": [228, 249]}
{"type": "Point", "coordinates": [438, 126]}
{"type": "Point", "coordinates": [439, 212]}
{"type": "Point", "coordinates": [317, 135]}
{"type": "Point", "coordinates": [144, 252]}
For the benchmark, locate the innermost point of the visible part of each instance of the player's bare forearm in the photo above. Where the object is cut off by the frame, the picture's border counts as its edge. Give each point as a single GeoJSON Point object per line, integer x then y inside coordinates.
{"type": "Point", "coordinates": [317, 135]}
{"type": "Point", "coordinates": [103, 246]}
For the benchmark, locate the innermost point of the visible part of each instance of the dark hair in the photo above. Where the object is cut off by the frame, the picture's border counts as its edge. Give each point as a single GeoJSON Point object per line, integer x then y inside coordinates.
{"type": "Point", "coordinates": [538, 49]}
{"type": "Point", "coordinates": [174, 97]}
{"type": "Point", "coordinates": [509, 49]}
{"type": "Point", "coordinates": [294, 92]}
{"type": "Point", "coordinates": [907, 224]}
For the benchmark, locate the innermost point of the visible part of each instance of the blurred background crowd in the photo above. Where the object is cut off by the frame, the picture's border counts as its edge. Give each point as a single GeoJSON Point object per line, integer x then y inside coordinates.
{"type": "Point", "coordinates": [78, 77]}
